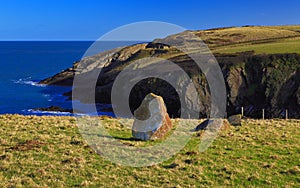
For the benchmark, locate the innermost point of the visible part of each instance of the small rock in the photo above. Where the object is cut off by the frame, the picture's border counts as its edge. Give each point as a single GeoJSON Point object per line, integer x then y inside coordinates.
{"type": "Point", "coordinates": [235, 120]}
{"type": "Point", "coordinates": [222, 124]}
{"type": "Point", "coordinates": [151, 119]}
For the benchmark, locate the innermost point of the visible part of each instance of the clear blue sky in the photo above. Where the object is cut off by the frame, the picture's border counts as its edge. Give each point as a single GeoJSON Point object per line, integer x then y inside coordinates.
{"type": "Point", "coordinates": [89, 19]}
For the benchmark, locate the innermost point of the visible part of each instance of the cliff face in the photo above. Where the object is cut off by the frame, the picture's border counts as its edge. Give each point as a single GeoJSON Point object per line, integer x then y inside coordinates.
{"type": "Point", "coordinates": [271, 82]}
{"type": "Point", "coordinates": [253, 81]}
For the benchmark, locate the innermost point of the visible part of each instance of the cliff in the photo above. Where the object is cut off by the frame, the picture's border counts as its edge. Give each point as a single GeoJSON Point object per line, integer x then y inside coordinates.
{"type": "Point", "coordinates": [253, 80]}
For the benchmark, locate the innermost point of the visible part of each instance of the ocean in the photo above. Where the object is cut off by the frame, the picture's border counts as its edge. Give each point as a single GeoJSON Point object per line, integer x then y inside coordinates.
{"type": "Point", "coordinates": [24, 64]}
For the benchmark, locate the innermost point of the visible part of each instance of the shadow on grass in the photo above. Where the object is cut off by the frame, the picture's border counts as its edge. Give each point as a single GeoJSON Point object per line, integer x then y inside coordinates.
{"type": "Point", "coordinates": [116, 137]}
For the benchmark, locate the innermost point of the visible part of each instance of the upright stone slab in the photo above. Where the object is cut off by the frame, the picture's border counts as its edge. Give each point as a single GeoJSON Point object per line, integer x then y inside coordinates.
{"type": "Point", "coordinates": [151, 119]}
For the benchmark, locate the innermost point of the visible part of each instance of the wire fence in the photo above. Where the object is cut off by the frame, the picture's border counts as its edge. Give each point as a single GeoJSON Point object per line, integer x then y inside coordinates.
{"type": "Point", "coordinates": [263, 113]}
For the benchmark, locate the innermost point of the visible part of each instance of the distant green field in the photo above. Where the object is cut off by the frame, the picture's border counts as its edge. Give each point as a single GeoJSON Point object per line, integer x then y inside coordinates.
{"type": "Point", "coordinates": [285, 46]}
{"type": "Point", "coordinates": [50, 152]}
{"type": "Point", "coordinates": [261, 39]}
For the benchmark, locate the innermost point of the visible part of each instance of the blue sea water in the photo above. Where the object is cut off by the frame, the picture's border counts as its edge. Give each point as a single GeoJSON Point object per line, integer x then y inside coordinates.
{"type": "Point", "coordinates": [24, 64]}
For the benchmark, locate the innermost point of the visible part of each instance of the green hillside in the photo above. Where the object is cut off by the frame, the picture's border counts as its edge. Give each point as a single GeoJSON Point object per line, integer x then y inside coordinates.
{"type": "Point", "coordinates": [275, 47]}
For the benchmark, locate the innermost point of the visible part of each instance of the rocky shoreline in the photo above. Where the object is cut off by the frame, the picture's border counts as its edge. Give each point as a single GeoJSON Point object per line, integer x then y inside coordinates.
{"type": "Point", "coordinates": [53, 109]}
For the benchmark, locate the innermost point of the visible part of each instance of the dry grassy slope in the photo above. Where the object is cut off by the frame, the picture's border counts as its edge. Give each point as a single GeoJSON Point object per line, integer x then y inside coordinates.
{"type": "Point", "coordinates": [268, 39]}
{"type": "Point", "coordinates": [271, 39]}
{"type": "Point", "coordinates": [261, 39]}
{"type": "Point", "coordinates": [50, 152]}
{"type": "Point", "coordinates": [235, 35]}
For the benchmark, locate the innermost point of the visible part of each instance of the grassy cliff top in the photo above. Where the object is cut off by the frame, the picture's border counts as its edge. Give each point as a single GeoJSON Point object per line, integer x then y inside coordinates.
{"type": "Point", "coordinates": [261, 39]}
{"type": "Point", "coordinates": [247, 34]}
{"type": "Point", "coordinates": [49, 151]}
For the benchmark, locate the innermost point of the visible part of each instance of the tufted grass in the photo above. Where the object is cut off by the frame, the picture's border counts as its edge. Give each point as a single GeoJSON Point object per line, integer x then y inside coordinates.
{"type": "Point", "coordinates": [50, 152]}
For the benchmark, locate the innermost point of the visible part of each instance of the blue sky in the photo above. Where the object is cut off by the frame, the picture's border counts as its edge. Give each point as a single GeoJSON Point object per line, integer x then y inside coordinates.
{"type": "Point", "coordinates": [89, 19]}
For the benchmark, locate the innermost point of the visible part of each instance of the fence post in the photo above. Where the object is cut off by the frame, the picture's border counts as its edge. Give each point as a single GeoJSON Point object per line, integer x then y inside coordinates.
{"type": "Point", "coordinates": [286, 114]}
{"type": "Point", "coordinates": [263, 114]}
{"type": "Point", "coordinates": [242, 111]}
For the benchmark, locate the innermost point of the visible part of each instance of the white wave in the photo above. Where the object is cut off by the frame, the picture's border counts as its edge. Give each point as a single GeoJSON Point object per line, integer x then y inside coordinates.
{"type": "Point", "coordinates": [32, 111]}
{"type": "Point", "coordinates": [51, 113]}
{"type": "Point", "coordinates": [28, 82]}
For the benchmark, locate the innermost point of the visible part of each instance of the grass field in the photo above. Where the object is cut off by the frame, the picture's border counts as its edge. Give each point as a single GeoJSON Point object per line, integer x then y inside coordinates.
{"type": "Point", "coordinates": [233, 35]}
{"type": "Point", "coordinates": [49, 152]}
{"type": "Point", "coordinates": [282, 46]}
{"type": "Point", "coordinates": [261, 39]}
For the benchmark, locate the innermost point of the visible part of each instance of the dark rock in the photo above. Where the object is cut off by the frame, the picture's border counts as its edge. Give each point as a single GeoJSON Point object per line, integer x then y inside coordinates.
{"type": "Point", "coordinates": [54, 109]}
{"type": "Point", "coordinates": [151, 119]}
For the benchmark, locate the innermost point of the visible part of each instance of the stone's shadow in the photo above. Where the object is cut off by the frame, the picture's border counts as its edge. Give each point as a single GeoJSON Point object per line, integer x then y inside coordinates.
{"type": "Point", "coordinates": [115, 137]}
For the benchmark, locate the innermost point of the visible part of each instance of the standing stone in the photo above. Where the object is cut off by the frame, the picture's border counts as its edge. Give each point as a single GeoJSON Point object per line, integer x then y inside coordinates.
{"type": "Point", "coordinates": [151, 120]}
